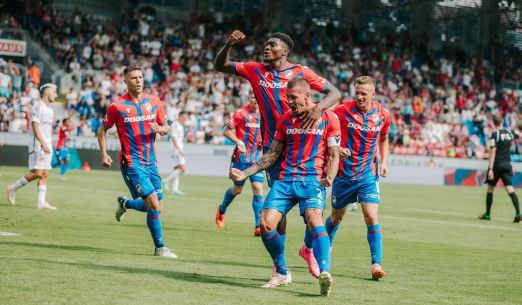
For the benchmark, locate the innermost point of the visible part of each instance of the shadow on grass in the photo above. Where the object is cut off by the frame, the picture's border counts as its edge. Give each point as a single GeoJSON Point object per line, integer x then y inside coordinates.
{"type": "Point", "coordinates": [177, 275]}
{"type": "Point", "coordinates": [60, 247]}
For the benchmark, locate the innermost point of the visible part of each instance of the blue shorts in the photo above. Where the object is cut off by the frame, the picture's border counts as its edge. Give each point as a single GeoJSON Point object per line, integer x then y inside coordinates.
{"type": "Point", "coordinates": [345, 192]}
{"type": "Point", "coordinates": [285, 194]}
{"type": "Point", "coordinates": [63, 153]}
{"type": "Point", "coordinates": [142, 181]}
{"type": "Point", "coordinates": [273, 171]}
{"type": "Point", "coordinates": [259, 177]}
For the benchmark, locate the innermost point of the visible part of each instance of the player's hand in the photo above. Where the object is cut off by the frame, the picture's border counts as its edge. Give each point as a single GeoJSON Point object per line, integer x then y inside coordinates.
{"type": "Point", "coordinates": [241, 147]}
{"type": "Point", "coordinates": [327, 181]}
{"type": "Point", "coordinates": [491, 175]}
{"type": "Point", "coordinates": [46, 149]}
{"type": "Point", "coordinates": [155, 127]}
{"type": "Point", "coordinates": [344, 153]}
{"type": "Point", "coordinates": [106, 160]}
{"type": "Point", "coordinates": [310, 117]}
{"type": "Point", "coordinates": [237, 175]}
{"type": "Point", "coordinates": [383, 170]}
{"type": "Point", "coordinates": [235, 38]}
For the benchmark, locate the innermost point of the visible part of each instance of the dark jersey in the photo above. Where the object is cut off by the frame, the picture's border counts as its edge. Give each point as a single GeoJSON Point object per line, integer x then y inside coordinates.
{"type": "Point", "coordinates": [501, 139]}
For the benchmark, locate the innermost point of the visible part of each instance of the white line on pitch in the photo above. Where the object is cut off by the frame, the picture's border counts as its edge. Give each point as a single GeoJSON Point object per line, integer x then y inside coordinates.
{"type": "Point", "coordinates": [9, 234]}
{"type": "Point", "coordinates": [420, 220]}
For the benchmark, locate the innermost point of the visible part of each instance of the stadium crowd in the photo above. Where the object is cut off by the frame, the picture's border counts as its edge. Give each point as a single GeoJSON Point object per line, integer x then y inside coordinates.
{"type": "Point", "coordinates": [441, 105]}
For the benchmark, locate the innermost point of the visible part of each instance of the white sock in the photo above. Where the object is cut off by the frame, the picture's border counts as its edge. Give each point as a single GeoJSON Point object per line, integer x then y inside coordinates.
{"type": "Point", "coordinates": [173, 175]}
{"type": "Point", "coordinates": [42, 189]}
{"type": "Point", "coordinates": [175, 184]}
{"type": "Point", "coordinates": [19, 183]}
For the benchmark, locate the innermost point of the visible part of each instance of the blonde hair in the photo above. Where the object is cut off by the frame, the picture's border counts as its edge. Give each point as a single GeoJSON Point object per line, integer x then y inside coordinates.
{"type": "Point", "coordinates": [365, 80]}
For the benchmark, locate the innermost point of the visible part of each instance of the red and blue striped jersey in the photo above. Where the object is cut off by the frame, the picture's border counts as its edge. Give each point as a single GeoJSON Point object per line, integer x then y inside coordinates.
{"type": "Point", "coordinates": [360, 133]}
{"type": "Point", "coordinates": [305, 154]}
{"type": "Point", "coordinates": [64, 138]}
{"type": "Point", "coordinates": [246, 124]}
{"type": "Point", "coordinates": [133, 123]}
{"type": "Point", "coordinates": [269, 86]}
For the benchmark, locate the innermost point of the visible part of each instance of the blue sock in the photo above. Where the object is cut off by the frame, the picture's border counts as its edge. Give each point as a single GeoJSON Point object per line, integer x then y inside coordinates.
{"type": "Point", "coordinates": [275, 245]}
{"type": "Point", "coordinates": [321, 246]}
{"type": "Point", "coordinates": [331, 229]}
{"type": "Point", "coordinates": [136, 204]}
{"type": "Point", "coordinates": [375, 242]}
{"type": "Point", "coordinates": [308, 238]}
{"type": "Point", "coordinates": [154, 224]}
{"type": "Point", "coordinates": [227, 200]}
{"type": "Point", "coordinates": [257, 206]}
{"type": "Point", "coordinates": [64, 168]}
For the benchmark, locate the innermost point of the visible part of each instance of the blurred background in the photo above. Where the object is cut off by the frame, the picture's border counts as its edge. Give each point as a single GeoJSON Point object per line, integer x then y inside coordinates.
{"type": "Point", "coordinates": [443, 68]}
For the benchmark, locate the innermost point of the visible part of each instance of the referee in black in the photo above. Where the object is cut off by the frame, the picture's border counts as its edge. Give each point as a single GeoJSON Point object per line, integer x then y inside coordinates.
{"type": "Point", "coordinates": [499, 144]}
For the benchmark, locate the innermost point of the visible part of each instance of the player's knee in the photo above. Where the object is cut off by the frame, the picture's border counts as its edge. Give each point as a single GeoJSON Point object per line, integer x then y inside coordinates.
{"type": "Point", "coordinates": [371, 219]}
{"type": "Point", "coordinates": [267, 224]}
{"type": "Point", "coordinates": [314, 217]}
{"type": "Point", "coordinates": [236, 190]}
{"type": "Point", "coordinates": [336, 217]}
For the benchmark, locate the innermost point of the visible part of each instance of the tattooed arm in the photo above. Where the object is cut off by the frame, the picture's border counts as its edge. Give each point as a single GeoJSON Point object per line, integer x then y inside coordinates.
{"type": "Point", "coordinates": [263, 163]}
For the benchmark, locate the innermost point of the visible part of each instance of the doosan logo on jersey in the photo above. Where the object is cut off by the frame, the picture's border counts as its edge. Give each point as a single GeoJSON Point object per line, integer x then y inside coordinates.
{"type": "Point", "coordinates": [305, 131]}
{"type": "Point", "coordinates": [272, 85]}
{"type": "Point", "coordinates": [149, 117]}
{"type": "Point", "coordinates": [364, 128]}
{"type": "Point", "coordinates": [252, 125]}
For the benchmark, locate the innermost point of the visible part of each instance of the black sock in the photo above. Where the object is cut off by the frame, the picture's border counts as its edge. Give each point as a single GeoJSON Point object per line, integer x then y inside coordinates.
{"type": "Point", "coordinates": [514, 199]}
{"type": "Point", "coordinates": [489, 202]}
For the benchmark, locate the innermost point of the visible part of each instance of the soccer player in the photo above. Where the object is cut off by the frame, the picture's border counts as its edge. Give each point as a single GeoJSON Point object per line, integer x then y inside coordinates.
{"type": "Point", "coordinates": [177, 134]}
{"type": "Point", "coordinates": [269, 81]}
{"type": "Point", "coordinates": [310, 161]}
{"type": "Point", "coordinates": [138, 116]}
{"type": "Point", "coordinates": [243, 129]}
{"type": "Point", "coordinates": [500, 167]}
{"type": "Point", "coordinates": [40, 148]}
{"type": "Point", "coordinates": [364, 132]}
{"type": "Point", "coordinates": [62, 146]}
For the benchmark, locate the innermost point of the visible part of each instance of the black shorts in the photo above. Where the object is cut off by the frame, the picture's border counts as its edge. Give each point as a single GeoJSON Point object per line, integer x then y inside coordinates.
{"type": "Point", "coordinates": [504, 173]}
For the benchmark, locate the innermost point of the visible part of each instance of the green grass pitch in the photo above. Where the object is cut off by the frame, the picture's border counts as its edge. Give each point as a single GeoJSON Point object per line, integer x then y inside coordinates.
{"type": "Point", "coordinates": [435, 250]}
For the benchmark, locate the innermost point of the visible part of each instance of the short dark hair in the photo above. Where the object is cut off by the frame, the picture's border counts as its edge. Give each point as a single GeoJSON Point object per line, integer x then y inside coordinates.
{"type": "Point", "coordinates": [284, 38]}
{"type": "Point", "coordinates": [298, 81]}
{"type": "Point", "coordinates": [497, 120]}
{"type": "Point", "coordinates": [131, 68]}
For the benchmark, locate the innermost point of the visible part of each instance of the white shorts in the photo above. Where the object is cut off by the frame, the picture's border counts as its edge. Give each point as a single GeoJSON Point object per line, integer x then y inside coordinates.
{"type": "Point", "coordinates": [38, 159]}
{"type": "Point", "coordinates": [178, 160]}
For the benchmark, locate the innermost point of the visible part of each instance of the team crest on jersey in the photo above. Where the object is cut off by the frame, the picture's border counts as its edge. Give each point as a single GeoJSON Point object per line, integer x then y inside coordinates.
{"type": "Point", "coordinates": [148, 107]}
{"type": "Point", "coordinates": [128, 110]}
{"type": "Point", "coordinates": [375, 118]}
{"type": "Point", "coordinates": [288, 74]}
{"type": "Point", "coordinates": [138, 188]}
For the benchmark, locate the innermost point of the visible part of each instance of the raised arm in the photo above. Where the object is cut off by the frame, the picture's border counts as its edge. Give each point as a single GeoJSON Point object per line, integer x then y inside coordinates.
{"type": "Point", "coordinates": [222, 62]}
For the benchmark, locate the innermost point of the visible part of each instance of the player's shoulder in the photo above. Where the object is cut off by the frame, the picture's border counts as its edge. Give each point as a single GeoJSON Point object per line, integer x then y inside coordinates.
{"type": "Point", "coordinates": [346, 106]}
{"type": "Point", "coordinates": [287, 116]}
{"type": "Point", "coordinates": [381, 108]}
{"type": "Point", "coordinates": [152, 98]}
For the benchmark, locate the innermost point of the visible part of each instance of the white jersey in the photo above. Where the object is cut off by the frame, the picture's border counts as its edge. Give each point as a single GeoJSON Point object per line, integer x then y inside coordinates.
{"type": "Point", "coordinates": [43, 115]}
{"type": "Point", "coordinates": [177, 132]}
